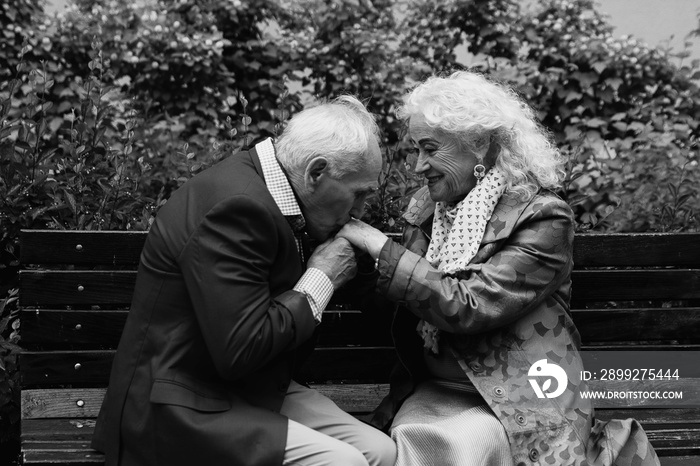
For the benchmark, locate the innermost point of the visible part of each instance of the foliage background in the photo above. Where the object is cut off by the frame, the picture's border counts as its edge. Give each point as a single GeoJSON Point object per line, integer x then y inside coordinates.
{"type": "Point", "coordinates": [110, 106]}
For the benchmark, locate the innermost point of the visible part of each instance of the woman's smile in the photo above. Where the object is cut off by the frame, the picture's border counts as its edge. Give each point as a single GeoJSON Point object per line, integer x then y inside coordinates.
{"type": "Point", "coordinates": [432, 179]}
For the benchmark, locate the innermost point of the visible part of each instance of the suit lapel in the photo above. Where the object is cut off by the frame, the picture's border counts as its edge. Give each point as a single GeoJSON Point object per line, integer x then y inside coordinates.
{"type": "Point", "coordinates": [256, 161]}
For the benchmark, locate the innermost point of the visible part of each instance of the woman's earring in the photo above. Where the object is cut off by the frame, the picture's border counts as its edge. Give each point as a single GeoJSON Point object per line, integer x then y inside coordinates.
{"type": "Point", "coordinates": [479, 172]}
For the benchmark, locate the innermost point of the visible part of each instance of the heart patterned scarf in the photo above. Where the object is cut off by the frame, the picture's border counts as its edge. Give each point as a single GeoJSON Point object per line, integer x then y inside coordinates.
{"type": "Point", "coordinates": [457, 233]}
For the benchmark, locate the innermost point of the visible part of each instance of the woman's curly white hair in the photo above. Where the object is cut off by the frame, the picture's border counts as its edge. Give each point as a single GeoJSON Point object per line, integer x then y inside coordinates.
{"type": "Point", "coordinates": [476, 111]}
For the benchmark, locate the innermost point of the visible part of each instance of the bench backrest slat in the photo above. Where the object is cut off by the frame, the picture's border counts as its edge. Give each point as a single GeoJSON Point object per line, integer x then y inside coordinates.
{"type": "Point", "coordinates": [98, 288]}
{"type": "Point", "coordinates": [52, 368]}
{"type": "Point", "coordinates": [90, 368]}
{"type": "Point", "coordinates": [632, 285]}
{"type": "Point", "coordinates": [81, 247]}
{"type": "Point", "coordinates": [590, 250]}
{"type": "Point", "coordinates": [76, 288]}
{"type": "Point", "coordinates": [633, 325]}
{"type": "Point", "coordinates": [637, 250]}
{"type": "Point", "coordinates": [60, 329]}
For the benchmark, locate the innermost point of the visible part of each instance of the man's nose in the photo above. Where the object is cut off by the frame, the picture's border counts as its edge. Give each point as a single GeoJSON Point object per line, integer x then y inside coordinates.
{"type": "Point", "coordinates": [358, 208]}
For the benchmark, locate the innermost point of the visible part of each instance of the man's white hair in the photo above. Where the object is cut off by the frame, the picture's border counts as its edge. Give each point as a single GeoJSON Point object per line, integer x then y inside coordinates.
{"type": "Point", "coordinates": [342, 131]}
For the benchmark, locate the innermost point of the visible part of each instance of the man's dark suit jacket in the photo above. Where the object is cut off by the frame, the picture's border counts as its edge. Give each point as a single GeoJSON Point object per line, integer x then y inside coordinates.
{"type": "Point", "coordinates": [210, 343]}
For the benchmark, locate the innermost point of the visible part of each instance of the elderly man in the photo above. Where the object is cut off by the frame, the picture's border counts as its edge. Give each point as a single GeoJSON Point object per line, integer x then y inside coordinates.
{"type": "Point", "coordinates": [227, 298]}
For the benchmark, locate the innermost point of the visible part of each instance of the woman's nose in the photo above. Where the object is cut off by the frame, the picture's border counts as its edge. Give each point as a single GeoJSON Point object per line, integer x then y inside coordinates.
{"type": "Point", "coordinates": [421, 163]}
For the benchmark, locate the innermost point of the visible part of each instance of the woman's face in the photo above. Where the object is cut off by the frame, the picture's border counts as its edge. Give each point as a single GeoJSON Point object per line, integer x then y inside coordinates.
{"type": "Point", "coordinates": [447, 167]}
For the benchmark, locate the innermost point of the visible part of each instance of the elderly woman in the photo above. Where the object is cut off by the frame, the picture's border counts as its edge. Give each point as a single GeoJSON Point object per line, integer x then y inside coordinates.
{"type": "Point", "coordinates": [489, 357]}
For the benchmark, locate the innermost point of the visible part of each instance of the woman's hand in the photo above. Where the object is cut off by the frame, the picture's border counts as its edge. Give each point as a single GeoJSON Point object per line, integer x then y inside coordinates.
{"type": "Point", "coordinates": [364, 237]}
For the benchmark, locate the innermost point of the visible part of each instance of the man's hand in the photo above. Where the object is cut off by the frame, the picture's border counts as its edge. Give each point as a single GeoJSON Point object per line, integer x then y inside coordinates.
{"type": "Point", "coordinates": [363, 237]}
{"type": "Point", "coordinates": [336, 259]}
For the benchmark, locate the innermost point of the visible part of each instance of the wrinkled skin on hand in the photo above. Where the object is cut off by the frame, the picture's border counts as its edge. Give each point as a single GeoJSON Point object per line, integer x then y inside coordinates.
{"type": "Point", "coordinates": [335, 258]}
{"type": "Point", "coordinates": [364, 237]}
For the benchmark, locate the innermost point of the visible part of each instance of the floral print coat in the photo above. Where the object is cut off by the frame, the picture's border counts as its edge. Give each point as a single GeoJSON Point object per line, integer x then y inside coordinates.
{"type": "Point", "coordinates": [506, 312]}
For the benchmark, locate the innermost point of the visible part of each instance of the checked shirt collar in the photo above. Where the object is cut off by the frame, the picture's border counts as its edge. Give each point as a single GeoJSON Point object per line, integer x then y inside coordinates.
{"type": "Point", "coordinates": [279, 187]}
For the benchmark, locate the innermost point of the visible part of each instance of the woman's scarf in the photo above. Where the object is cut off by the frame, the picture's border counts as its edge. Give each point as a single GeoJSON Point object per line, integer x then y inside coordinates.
{"type": "Point", "coordinates": [457, 234]}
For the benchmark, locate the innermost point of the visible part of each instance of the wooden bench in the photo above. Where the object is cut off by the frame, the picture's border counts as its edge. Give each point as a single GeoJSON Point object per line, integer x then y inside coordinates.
{"type": "Point", "coordinates": [631, 291]}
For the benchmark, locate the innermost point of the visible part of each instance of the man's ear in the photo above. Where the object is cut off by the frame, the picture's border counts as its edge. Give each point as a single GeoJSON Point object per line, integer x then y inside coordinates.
{"type": "Point", "coordinates": [315, 171]}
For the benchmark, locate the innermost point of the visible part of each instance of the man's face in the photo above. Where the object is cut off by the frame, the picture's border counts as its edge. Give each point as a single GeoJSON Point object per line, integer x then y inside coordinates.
{"type": "Point", "coordinates": [334, 200]}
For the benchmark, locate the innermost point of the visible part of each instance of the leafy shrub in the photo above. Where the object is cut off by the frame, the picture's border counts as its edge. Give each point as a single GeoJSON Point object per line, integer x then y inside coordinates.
{"type": "Point", "coordinates": [9, 376]}
{"type": "Point", "coordinates": [627, 115]}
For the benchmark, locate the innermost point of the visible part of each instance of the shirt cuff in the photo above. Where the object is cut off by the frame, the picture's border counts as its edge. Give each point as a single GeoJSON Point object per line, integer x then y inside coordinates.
{"type": "Point", "coordinates": [318, 290]}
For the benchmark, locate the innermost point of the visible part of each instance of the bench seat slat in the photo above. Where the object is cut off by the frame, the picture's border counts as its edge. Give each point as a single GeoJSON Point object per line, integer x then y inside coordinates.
{"type": "Point", "coordinates": [73, 457]}
{"type": "Point", "coordinates": [652, 416]}
{"type": "Point", "coordinates": [64, 445]}
{"type": "Point", "coordinates": [351, 397]}
{"type": "Point", "coordinates": [675, 442]}
{"type": "Point", "coordinates": [59, 403]}
{"type": "Point", "coordinates": [62, 457]}
{"type": "Point", "coordinates": [667, 441]}
{"type": "Point", "coordinates": [50, 430]}
{"type": "Point", "coordinates": [679, 460]}
{"type": "Point", "coordinates": [647, 416]}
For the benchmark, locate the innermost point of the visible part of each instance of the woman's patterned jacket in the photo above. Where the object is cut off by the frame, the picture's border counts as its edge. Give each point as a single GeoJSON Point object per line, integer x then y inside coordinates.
{"type": "Point", "coordinates": [508, 311]}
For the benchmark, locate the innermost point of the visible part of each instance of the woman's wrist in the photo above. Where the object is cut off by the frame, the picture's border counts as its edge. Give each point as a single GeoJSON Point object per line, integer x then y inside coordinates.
{"type": "Point", "coordinates": [364, 237]}
{"type": "Point", "coordinates": [374, 243]}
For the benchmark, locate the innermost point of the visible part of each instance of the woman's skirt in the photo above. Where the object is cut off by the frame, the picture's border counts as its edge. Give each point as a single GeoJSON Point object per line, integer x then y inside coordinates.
{"type": "Point", "coordinates": [444, 424]}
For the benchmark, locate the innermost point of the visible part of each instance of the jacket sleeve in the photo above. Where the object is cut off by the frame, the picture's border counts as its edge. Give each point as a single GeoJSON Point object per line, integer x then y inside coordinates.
{"type": "Point", "coordinates": [518, 273]}
{"type": "Point", "coordinates": [227, 264]}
